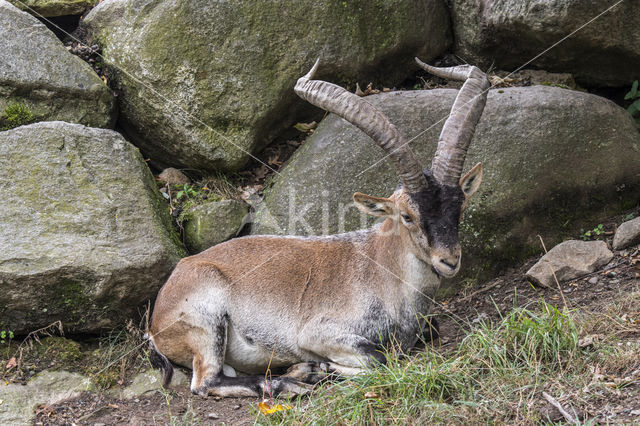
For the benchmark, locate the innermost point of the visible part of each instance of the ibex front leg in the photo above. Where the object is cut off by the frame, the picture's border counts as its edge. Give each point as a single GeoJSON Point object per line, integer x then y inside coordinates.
{"type": "Point", "coordinates": [349, 354]}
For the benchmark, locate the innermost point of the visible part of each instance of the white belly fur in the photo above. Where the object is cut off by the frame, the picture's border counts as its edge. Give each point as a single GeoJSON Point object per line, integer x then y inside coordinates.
{"type": "Point", "coordinates": [252, 359]}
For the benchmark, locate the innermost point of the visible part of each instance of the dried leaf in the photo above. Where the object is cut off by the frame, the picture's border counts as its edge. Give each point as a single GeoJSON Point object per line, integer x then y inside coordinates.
{"type": "Point", "coordinates": [370, 395]}
{"type": "Point", "coordinates": [11, 363]}
{"type": "Point", "coordinates": [275, 161]}
{"type": "Point", "coordinates": [305, 127]}
{"type": "Point", "coordinates": [266, 408]}
{"type": "Point", "coordinates": [359, 91]}
{"type": "Point", "coordinates": [495, 80]}
{"type": "Point", "coordinates": [113, 406]}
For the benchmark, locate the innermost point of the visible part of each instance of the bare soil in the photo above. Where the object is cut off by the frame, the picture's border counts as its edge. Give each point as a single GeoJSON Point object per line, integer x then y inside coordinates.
{"type": "Point", "coordinates": [487, 302]}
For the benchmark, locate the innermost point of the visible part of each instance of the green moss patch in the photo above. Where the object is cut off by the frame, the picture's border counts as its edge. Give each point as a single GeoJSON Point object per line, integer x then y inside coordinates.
{"type": "Point", "coordinates": [16, 115]}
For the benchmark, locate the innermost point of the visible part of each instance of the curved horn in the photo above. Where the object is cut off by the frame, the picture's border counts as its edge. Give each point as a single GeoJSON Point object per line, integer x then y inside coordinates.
{"type": "Point", "coordinates": [367, 118]}
{"type": "Point", "coordinates": [460, 126]}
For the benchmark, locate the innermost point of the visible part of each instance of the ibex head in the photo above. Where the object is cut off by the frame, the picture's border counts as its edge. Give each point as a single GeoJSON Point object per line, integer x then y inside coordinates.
{"type": "Point", "coordinates": [426, 208]}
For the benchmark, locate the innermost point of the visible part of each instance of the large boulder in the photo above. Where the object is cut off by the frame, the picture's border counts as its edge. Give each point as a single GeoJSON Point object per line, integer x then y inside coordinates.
{"type": "Point", "coordinates": [604, 51]}
{"type": "Point", "coordinates": [205, 84]}
{"type": "Point", "coordinates": [552, 157]}
{"type": "Point", "coordinates": [53, 8]}
{"type": "Point", "coordinates": [39, 74]}
{"type": "Point", "coordinates": [85, 236]}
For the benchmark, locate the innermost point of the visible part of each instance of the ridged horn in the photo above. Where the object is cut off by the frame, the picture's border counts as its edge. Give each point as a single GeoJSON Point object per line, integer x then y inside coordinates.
{"type": "Point", "coordinates": [367, 118]}
{"type": "Point", "coordinates": [459, 128]}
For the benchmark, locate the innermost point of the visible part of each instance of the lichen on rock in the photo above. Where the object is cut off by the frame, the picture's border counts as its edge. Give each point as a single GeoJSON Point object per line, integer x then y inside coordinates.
{"type": "Point", "coordinates": [38, 73]}
{"type": "Point", "coordinates": [85, 237]}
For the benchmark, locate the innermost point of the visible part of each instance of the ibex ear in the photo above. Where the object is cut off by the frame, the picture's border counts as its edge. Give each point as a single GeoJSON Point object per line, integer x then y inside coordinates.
{"type": "Point", "coordinates": [470, 182]}
{"type": "Point", "coordinates": [375, 206]}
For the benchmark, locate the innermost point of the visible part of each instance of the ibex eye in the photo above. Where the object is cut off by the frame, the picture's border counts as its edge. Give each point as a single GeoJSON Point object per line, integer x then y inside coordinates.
{"type": "Point", "coordinates": [407, 218]}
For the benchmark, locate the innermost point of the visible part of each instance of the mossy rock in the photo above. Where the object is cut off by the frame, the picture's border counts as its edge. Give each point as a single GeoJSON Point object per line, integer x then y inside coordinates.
{"type": "Point", "coordinates": [85, 236]}
{"type": "Point", "coordinates": [214, 80]}
{"type": "Point", "coordinates": [604, 49]}
{"type": "Point", "coordinates": [46, 82]}
{"type": "Point", "coordinates": [52, 8]}
{"type": "Point", "coordinates": [211, 223]}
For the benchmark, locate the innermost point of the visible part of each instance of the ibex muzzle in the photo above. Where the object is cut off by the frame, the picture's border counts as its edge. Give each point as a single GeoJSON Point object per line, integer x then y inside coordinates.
{"type": "Point", "coordinates": [329, 304]}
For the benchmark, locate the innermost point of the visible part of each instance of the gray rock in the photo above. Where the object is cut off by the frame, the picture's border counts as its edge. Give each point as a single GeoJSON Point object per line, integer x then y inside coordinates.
{"type": "Point", "coordinates": [627, 234]}
{"type": "Point", "coordinates": [52, 8]}
{"type": "Point", "coordinates": [37, 72]}
{"type": "Point", "coordinates": [232, 65]}
{"type": "Point", "coordinates": [542, 150]}
{"type": "Point", "coordinates": [593, 280]}
{"type": "Point", "coordinates": [605, 52]}
{"type": "Point", "coordinates": [569, 260]}
{"type": "Point", "coordinates": [84, 234]}
{"type": "Point", "coordinates": [211, 223]}
{"type": "Point", "coordinates": [48, 387]}
{"type": "Point", "coordinates": [149, 381]}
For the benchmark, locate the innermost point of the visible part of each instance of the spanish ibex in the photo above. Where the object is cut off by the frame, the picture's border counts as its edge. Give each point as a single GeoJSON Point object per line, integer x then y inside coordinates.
{"type": "Point", "coordinates": [325, 304]}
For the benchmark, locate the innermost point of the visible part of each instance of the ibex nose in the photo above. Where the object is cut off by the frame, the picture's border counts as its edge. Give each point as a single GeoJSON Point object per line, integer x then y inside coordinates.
{"type": "Point", "coordinates": [451, 263]}
{"type": "Point", "coordinates": [446, 266]}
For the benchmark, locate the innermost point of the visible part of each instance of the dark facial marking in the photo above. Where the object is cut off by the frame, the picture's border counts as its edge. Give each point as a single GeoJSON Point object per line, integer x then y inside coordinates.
{"type": "Point", "coordinates": [439, 206]}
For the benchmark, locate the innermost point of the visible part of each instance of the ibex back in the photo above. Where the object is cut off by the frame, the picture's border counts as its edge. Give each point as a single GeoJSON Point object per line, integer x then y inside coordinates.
{"type": "Point", "coordinates": [326, 304]}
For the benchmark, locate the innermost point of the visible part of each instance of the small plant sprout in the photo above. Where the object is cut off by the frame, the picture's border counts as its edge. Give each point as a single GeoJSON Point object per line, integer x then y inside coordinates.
{"type": "Point", "coordinates": [187, 191]}
{"type": "Point", "coordinates": [593, 233]}
{"type": "Point", "coordinates": [5, 336]}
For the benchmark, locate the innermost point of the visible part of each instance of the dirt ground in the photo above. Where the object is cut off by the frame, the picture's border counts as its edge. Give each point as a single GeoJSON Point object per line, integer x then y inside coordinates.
{"type": "Point", "coordinates": [178, 406]}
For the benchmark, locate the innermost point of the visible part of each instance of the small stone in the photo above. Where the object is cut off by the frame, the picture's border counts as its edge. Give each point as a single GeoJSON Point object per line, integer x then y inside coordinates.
{"type": "Point", "coordinates": [614, 281]}
{"type": "Point", "coordinates": [482, 317]}
{"type": "Point", "coordinates": [174, 177]}
{"type": "Point", "coordinates": [635, 413]}
{"type": "Point", "coordinates": [593, 280]}
{"type": "Point", "coordinates": [627, 234]}
{"type": "Point", "coordinates": [213, 416]}
{"type": "Point", "coordinates": [569, 260]}
{"type": "Point", "coordinates": [236, 407]}
{"type": "Point", "coordinates": [611, 274]}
